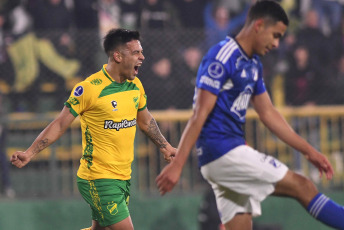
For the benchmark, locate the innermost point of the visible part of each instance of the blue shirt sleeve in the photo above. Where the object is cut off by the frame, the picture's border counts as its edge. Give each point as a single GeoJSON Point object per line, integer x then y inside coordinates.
{"type": "Point", "coordinates": [211, 76]}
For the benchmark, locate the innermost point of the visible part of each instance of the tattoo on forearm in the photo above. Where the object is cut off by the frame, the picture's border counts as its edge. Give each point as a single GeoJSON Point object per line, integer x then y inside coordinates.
{"type": "Point", "coordinates": [153, 132]}
{"type": "Point", "coordinates": [42, 144]}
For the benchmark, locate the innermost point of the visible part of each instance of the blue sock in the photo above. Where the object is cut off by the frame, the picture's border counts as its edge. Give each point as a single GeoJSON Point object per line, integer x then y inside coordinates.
{"type": "Point", "coordinates": [327, 211]}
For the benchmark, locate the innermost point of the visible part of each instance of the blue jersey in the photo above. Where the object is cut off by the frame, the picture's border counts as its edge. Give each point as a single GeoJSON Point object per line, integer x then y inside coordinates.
{"type": "Point", "coordinates": [229, 73]}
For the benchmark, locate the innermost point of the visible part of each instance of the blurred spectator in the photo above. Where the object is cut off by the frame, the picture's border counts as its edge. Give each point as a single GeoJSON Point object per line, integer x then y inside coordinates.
{"type": "Point", "coordinates": [236, 7]}
{"type": "Point", "coordinates": [190, 13]}
{"type": "Point", "coordinates": [14, 25]}
{"type": "Point", "coordinates": [311, 36]}
{"type": "Point", "coordinates": [52, 23]}
{"type": "Point", "coordinates": [161, 83]}
{"type": "Point", "coordinates": [156, 14]}
{"type": "Point", "coordinates": [187, 72]}
{"type": "Point", "coordinates": [303, 81]}
{"type": "Point", "coordinates": [330, 14]}
{"type": "Point", "coordinates": [6, 68]}
{"type": "Point", "coordinates": [87, 34]}
{"type": "Point", "coordinates": [130, 11]}
{"type": "Point", "coordinates": [337, 83]}
{"type": "Point", "coordinates": [86, 14]}
{"type": "Point", "coordinates": [53, 20]}
{"type": "Point", "coordinates": [109, 15]}
{"type": "Point", "coordinates": [190, 19]}
{"type": "Point", "coordinates": [219, 24]}
{"type": "Point", "coordinates": [336, 45]}
{"type": "Point", "coordinates": [19, 20]}
{"type": "Point", "coordinates": [4, 162]}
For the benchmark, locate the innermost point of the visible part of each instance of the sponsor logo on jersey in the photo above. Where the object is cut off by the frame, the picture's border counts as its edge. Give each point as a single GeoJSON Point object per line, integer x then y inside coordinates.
{"type": "Point", "coordinates": [114, 105]}
{"type": "Point", "coordinates": [73, 101]}
{"type": "Point", "coordinates": [96, 81]}
{"type": "Point", "coordinates": [216, 70]}
{"type": "Point", "coordinates": [78, 91]}
{"type": "Point", "coordinates": [238, 62]}
{"type": "Point", "coordinates": [110, 124]}
{"type": "Point", "coordinates": [241, 102]}
{"type": "Point", "coordinates": [210, 82]}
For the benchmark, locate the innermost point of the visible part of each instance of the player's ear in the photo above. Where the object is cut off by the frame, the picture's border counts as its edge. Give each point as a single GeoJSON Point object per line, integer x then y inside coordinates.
{"type": "Point", "coordinates": [258, 24]}
{"type": "Point", "coordinates": [117, 56]}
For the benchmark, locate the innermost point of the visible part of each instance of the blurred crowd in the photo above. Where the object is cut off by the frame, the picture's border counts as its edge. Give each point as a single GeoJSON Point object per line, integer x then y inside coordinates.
{"type": "Point", "coordinates": [46, 46]}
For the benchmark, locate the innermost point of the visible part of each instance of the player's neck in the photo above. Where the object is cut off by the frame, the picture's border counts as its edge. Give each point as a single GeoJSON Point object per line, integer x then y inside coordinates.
{"type": "Point", "coordinates": [245, 40]}
{"type": "Point", "coordinates": [114, 74]}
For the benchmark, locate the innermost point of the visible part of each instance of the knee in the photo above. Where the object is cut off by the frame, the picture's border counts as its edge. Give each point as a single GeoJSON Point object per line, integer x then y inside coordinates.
{"type": "Point", "coordinates": [305, 189]}
{"type": "Point", "coordinates": [304, 184]}
{"type": "Point", "coordinates": [297, 186]}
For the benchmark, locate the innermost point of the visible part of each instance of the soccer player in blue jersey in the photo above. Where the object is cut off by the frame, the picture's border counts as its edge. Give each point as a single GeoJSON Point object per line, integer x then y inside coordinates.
{"type": "Point", "coordinates": [229, 77]}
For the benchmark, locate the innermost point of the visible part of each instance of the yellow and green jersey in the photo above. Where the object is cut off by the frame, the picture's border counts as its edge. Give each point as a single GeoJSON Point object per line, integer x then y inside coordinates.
{"type": "Point", "coordinates": [108, 112]}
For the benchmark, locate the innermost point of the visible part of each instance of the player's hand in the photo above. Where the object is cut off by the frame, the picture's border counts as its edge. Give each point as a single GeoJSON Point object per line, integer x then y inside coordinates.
{"type": "Point", "coordinates": [322, 163]}
{"type": "Point", "coordinates": [20, 159]}
{"type": "Point", "coordinates": [168, 177]}
{"type": "Point", "coordinates": [169, 154]}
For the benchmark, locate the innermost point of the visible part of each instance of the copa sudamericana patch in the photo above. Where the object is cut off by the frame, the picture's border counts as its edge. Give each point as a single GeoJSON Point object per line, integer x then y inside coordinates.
{"type": "Point", "coordinates": [216, 70]}
{"type": "Point", "coordinates": [78, 91]}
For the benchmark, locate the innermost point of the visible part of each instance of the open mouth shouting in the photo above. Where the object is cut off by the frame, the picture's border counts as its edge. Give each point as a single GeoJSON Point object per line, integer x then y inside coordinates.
{"type": "Point", "coordinates": [136, 68]}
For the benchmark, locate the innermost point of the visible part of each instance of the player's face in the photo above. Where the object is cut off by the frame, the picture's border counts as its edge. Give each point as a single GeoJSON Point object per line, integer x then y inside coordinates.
{"type": "Point", "coordinates": [133, 57]}
{"type": "Point", "coordinates": [268, 37]}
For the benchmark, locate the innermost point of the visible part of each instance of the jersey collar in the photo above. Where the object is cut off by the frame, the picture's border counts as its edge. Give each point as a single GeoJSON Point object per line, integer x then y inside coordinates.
{"type": "Point", "coordinates": [242, 51]}
{"type": "Point", "coordinates": [106, 73]}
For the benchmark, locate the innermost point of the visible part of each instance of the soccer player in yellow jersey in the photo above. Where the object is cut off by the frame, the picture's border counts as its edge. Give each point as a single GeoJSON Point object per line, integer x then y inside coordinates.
{"type": "Point", "coordinates": [110, 103]}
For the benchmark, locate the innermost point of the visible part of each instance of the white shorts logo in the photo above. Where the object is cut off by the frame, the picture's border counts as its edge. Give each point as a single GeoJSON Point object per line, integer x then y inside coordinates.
{"type": "Point", "coordinates": [275, 163]}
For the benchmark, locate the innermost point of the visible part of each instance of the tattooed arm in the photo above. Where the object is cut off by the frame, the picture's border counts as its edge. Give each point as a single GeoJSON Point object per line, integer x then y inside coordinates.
{"type": "Point", "coordinates": [149, 126]}
{"type": "Point", "coordinates": [48, 136]}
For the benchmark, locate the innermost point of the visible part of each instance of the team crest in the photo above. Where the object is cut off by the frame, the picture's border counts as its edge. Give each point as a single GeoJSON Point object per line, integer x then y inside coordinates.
{"type": "Point", "coordinates": [112, 209]}
{"type": "Point", "coordinates": [114, 105]}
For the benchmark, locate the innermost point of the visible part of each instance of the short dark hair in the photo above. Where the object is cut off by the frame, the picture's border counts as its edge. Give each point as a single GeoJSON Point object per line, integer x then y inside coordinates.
{"type": "Point", "coordinates": [267, 9]}
{"type": "Point", "coordinates": [117, 37]}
